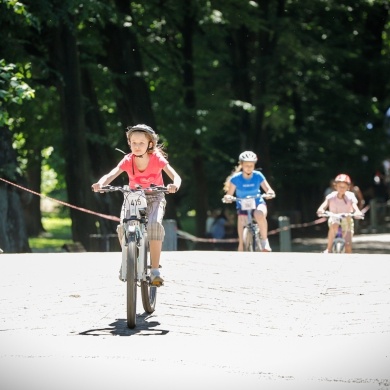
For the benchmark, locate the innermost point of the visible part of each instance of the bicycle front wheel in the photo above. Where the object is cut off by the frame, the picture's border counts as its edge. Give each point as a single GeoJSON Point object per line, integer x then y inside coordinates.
{"type": "Point", "coordinates": [131, 284]}
{"type": "Point", "coordinates": [248, 240]}
{"type": "Point", "coordinates": [148, 292]}
{"type": "Point", "coordinates": [257, 243]}
{"type": "Point", "coordinates": [338, 246]}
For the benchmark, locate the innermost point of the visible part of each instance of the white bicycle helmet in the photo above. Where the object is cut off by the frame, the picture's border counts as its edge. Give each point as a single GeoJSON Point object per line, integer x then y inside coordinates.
{"type": "Point", "coordinates": [248, 156]}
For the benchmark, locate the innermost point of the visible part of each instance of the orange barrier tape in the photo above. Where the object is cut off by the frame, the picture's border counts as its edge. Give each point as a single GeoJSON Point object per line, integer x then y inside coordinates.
{"type": "Point", "coordinates": [112, 218]}
{"type": "Point", "coordinates": [180, 233]}
{"type": "Point", "coordinates": [188, 236]}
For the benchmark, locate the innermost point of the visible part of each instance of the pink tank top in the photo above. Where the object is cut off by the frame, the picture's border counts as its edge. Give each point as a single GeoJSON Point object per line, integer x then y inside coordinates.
{"type": "Point", "coordinates": [343, 205]}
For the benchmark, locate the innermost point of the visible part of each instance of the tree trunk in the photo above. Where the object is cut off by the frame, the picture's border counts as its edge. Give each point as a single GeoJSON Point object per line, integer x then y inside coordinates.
{"type": "Point", "coordinates": [104, 158]}
{"type": "Point", "coordinates": [239, 51]}
{"type": "Point", "coordinates": [13, 234]}
{"type": "Point", "coordinates": [125, 62]}
{"type": "Point", "coordinates": [266, 44]}
{"type": "Point", "coordinates": [201, 193]}
{"type": "Point", "coordinates": [77, 169]}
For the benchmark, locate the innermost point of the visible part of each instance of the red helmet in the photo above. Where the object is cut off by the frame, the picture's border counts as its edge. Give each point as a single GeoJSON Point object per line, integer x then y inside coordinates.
{"type": "Point", "coordinates": [342, 177]}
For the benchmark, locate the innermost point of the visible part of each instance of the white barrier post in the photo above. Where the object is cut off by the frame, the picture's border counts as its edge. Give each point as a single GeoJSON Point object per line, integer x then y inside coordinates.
{"type": "Point", "coordinates": [170, 239]}
{"type": "Point", "coordinates": [285, 234]}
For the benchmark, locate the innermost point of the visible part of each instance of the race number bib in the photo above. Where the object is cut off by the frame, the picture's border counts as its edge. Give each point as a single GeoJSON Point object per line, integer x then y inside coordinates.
{"type": "Point", "coordinates": [248, 204]}
{"type": "Point", "coordinates": [133, 202]}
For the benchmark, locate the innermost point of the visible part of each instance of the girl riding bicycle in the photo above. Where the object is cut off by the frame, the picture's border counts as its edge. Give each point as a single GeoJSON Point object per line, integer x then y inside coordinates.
{"type": "Point", "coordinates": [340, 201]}
{"type": "Point", "coordinates": [246, 181]}
{"type": "Point", "coordinates": [144, 166]}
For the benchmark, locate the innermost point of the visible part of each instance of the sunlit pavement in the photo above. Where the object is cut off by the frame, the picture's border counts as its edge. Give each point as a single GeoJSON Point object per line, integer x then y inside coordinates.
{"type": "Point", "coordinates": [224, 320]}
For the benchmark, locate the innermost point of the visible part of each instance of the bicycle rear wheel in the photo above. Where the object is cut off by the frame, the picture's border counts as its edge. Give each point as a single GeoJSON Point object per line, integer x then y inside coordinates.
{"type": "Point", "coordinates": [148, 292]}
{"type": "Point", "coordinates": [131, 284]}
{"type": "Point", "coordinates": [248, 240]}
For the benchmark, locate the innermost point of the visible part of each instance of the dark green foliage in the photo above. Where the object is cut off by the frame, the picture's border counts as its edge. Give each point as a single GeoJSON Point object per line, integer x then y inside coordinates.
{"type": "Point", "coordinates": [303, 83]}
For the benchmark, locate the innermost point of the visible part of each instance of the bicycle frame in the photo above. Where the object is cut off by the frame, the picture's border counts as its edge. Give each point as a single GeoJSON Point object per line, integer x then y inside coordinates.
{"type": "Point", "coordinates": [135, 259]}
{"type": "Point", "coordinates": [339, 239]}
{"type": "Point", "coordinates": [251, 232]}
{"type": "Point", "coordinates": [251, 235]}
{"type": "Point", "coordinates": [134, 222]}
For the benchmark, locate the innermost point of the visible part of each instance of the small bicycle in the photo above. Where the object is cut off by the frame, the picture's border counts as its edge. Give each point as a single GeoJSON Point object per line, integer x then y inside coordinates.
{"type": "Point", "coordinates": [136, 264]}
{"type": "Point", "coordinates": [339, 239]}
{"type": "Point", "coordinates": [251, 232]}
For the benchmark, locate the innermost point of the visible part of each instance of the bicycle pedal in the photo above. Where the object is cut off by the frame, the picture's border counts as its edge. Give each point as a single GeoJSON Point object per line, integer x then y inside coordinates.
{"type": "Point", "coordinates": [157, 282]}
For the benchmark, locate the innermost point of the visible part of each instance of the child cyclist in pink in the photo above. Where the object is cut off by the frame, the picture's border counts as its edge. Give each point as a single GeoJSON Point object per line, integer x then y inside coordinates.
{"type": "Point", "coordinates": [144, 166]}
{"type": "Point", "coordinates": [340, 201]}
{"type": "Point", "coordinates": [246, 181]}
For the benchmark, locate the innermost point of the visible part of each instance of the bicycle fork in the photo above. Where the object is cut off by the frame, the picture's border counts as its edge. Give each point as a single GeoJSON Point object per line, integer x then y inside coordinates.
{"type": "Point", "coordinates": [130, 235]}
{"type": "Point", "coordinates": [339, 241]}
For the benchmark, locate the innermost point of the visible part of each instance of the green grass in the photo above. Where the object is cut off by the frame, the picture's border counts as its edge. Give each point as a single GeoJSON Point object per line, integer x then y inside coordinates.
{"type": "Point", "coordinates": [58, 233]}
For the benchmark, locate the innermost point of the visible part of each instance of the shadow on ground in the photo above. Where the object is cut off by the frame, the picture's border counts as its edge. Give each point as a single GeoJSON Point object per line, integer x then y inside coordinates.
{"type": "Point", "coordinates": [146, 326]}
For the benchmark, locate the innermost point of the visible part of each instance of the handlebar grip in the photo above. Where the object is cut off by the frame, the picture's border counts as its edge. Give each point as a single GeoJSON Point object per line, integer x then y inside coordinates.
{"type": "Point", "coordinates": [268, 196]}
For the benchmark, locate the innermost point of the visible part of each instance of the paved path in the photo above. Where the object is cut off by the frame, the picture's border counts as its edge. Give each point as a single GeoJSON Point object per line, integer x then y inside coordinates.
{"type": "Point", "coordinates": [224, 320]}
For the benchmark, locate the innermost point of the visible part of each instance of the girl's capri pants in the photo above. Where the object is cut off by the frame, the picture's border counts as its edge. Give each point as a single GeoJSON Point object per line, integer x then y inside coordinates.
{"type": "Point", "coordinates": [347, 224]}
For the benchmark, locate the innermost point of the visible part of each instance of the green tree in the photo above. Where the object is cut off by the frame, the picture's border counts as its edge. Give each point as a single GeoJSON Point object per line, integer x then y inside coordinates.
{"type": "Point", "coordinates": [13, 90]}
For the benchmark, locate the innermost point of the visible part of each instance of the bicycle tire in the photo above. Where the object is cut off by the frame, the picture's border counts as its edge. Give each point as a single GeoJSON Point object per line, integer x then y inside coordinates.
{"type": "Point", "coordinates": [338, 248]}
{"type": "Point", "coordinates": [257, 243]}
{"type": "Point", "coordinates": [248, 240]}
{"type": "Point", "coordinates": [131, 284]}
{"type": "Point", "coordinates": [148, 292]}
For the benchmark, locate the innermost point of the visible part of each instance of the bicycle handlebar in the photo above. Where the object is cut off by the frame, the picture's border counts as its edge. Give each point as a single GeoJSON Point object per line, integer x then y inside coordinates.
{"type": "Point", "coordinates": [329, 214]}
{"type": "Point", "coordinates": [235, 198]}
{"type": "Point", "coordinates": [127, 189]}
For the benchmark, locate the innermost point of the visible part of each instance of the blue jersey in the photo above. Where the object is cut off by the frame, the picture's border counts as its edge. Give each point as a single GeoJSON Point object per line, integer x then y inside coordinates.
{"type": "Point", "coordinates": [248, 187]}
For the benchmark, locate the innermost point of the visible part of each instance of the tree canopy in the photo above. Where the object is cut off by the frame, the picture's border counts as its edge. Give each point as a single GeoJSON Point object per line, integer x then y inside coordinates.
{"type": "Point", "coordinates": [304, 84]}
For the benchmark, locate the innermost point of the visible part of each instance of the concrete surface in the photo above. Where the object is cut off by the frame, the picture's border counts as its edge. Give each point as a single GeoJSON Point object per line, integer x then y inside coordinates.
{"type": "Point", "coordinates": [224, 320]}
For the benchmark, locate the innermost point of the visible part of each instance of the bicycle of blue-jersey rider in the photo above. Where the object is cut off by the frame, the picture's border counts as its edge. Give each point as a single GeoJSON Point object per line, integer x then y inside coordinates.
{"type": "Point", "coordinates": [251, 232]}
{"type": "Point", "coordinates": [136, 264]}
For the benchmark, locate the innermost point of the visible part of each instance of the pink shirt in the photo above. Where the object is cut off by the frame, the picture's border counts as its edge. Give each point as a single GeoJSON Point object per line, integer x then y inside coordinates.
{"type": "Point", "coordinates": [151, 175]}
{"type": "Point", "coordinates": [343, 205]}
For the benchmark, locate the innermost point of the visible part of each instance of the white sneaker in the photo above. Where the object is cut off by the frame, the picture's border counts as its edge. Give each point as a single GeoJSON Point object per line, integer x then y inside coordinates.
{"type": "Point", "coordinates": [266, 247]}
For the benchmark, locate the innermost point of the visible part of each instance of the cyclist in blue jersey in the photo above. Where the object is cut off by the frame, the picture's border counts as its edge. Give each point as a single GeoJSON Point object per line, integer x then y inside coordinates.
{"type": "Point", "coordinates": [246, 181]}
